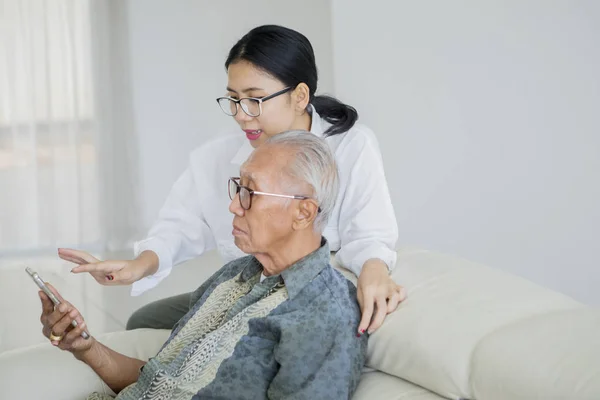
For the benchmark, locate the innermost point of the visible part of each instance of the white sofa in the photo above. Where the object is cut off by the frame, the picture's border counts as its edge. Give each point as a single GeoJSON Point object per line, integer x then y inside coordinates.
{"type": "Point", "coordinates": [466, 331]}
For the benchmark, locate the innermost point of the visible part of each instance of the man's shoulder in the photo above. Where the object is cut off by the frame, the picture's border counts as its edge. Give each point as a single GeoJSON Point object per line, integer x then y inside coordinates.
{"type": "Point", "coordinates": [341, 289]}
{"type": "Point", "coordinates": [332, 293]}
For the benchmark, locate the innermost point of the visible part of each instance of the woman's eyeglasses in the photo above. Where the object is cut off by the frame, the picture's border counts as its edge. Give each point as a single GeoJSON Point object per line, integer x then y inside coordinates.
{"type": "Point", "coordinates": [246, 194]}
{"type": "Point", "coordinates": [252, 106]}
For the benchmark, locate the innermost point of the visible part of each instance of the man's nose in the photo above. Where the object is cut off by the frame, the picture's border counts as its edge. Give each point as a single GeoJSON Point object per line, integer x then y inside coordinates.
{"type": "Point", "coordinates": [235, 207]}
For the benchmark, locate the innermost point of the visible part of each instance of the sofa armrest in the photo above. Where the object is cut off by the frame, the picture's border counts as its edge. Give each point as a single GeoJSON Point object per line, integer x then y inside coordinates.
{"type": "Point", "coordinates": [43, 371]}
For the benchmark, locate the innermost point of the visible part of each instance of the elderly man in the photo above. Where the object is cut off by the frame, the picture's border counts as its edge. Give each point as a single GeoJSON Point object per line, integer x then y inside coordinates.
{"type": "Point", "coordinates": [279, 323]}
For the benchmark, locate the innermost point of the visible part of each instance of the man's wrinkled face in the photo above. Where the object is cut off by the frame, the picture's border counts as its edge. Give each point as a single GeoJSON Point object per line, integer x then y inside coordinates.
{"type": "Point", "coordinates": [267, 225]}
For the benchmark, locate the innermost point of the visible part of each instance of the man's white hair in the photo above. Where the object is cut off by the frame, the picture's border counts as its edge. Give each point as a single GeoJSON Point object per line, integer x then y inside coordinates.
{"type": "Point", "coordinates": [314, 164]}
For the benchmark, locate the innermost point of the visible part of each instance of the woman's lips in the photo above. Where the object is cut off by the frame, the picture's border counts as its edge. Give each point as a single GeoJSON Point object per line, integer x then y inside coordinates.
{"type": "Point", "coordinates": [253, 134]}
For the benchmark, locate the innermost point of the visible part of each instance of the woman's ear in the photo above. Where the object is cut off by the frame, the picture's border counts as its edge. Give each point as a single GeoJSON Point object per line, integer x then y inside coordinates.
{"type": "Point", "coordinates": [306, 213]}
{"type": "Point", "coordinates": [301, 97]}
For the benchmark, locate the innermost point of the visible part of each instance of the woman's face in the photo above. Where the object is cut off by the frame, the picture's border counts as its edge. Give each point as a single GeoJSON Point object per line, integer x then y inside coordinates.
{"type": "Point", "coordinates": [279, 114]}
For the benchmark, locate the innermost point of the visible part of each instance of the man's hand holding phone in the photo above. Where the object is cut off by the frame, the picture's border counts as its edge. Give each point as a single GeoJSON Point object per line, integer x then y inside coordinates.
{"type": "Point", "coordinates": [58, 327]}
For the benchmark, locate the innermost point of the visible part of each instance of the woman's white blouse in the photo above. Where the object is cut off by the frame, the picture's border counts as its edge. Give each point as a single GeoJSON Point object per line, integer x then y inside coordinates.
{"type": "Point", "coordinates": [196, 218]}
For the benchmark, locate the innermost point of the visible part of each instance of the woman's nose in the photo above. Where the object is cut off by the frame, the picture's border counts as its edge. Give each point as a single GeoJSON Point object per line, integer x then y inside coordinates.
{"type": "Point", "coordinates": [241, 116]}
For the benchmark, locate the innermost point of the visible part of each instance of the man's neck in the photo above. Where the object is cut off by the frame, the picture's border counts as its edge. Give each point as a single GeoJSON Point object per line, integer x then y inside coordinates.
{"type": "Point", "coordinates": [288, 253]}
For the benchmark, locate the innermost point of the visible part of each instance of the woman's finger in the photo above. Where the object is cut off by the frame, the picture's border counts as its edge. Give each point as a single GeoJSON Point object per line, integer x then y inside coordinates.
{"type": "Point", "coordinates": [77, 256]}
{"type": "Point", "coordinates": [101, 279]}
{"type": "Point", "coordinates": [367, 312]}
{"type": "Point", "coordinates": [124, 276]}
{"type": "Point", "coordinates": [403, 293]}
{"type": "Point", "coordinates": [380, 314]}
{"type": "Point", "coordinates": [105, 267]}
{"type": "Point", "coordinates": [393, 301]}
{"type": "Point", "coordinates": [74, 260]}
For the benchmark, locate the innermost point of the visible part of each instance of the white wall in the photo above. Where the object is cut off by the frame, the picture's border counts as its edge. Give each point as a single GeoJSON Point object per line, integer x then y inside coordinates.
{"type": "Point", "coordinates": [488, 114]}
{"type": "Point", "coordinates": [178, 49]}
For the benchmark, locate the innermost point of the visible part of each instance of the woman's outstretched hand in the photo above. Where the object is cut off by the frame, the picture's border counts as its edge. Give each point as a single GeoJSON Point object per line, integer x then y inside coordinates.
{"type": "Point", "coordinates": [111, 272]}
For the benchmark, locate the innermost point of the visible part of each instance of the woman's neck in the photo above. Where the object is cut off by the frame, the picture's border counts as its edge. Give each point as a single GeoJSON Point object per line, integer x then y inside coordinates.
{"type": "Point", "coordinates": [303, 122]}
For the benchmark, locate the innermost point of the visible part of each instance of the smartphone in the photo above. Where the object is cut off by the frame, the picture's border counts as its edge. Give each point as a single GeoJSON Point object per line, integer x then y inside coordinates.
{"type": "Point", "coordinates": [39, 281]}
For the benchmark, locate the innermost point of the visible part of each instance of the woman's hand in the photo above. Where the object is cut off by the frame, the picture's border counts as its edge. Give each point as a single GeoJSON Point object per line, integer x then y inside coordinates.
{"type": "Point", "coordinates": [56, 322]}
{"type": "Point", "coordinates": [112, 272]}
{"type": "Point", "coordinates": [378, 295]}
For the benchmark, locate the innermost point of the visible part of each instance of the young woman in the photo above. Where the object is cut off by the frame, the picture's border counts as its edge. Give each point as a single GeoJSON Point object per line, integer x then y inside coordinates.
{"type": "Point", "coordinates": [271, 85]}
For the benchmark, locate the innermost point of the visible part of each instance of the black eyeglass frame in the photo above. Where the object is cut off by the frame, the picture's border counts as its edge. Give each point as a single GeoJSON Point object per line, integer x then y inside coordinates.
{"type": "Point", "coordinates": [259, 100]}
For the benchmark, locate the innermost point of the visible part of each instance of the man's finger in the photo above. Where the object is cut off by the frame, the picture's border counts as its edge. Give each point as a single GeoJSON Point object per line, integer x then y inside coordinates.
{"type": "Point", "coordinates": [78, 318]}
{"type": "Point", "coordinates": [58, 314]}
{"type": "Point", "coordinates": [80, 323]}
{"type": "Point", "coordinates": [72, 336]}
{"type": "Point", "coordinates": [380, 314]}
{"type": "Point", "coordinates": [367, 314]}
{"type": "Point", "coordinates": [47, 305]}
{"type": "Point", "coordinates": [53, 290]}
{"type": "Point", "coordinates": [60, 327]}
{"type": "Point", "coordinates": [45, 331]}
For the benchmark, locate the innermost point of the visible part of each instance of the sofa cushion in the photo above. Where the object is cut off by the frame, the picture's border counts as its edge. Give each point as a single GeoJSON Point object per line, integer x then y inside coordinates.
{"type": "Point", "coordinates": [452, 305]}
{"type": "Point", "coordinates": [377, 385]}
{"type": "Point", "coordinates": [551, 356]}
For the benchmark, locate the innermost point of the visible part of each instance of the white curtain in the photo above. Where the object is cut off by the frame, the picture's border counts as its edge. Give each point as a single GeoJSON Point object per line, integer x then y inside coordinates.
{"type": "Point", "coordinates": [67, 165]}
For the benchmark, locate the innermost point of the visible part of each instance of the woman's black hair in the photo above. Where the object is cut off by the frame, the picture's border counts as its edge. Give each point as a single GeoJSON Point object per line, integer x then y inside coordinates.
{"type": "Point", "coordinates": [288, 56]}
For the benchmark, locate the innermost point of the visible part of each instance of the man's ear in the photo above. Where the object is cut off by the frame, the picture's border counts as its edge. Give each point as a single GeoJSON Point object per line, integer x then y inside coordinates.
{"type": "Point", "coordinates": [306, 213]}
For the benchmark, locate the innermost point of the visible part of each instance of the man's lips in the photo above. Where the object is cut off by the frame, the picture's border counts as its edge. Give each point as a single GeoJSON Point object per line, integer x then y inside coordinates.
{"type": "Point", "coordinates": [237, 231]}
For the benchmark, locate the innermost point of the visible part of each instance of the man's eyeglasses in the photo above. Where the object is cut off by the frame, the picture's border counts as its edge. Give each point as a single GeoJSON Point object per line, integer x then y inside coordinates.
{"type": "Point", "coordinates": [245, 194]}
{"type": "Point", "coordinates": [252, 106]}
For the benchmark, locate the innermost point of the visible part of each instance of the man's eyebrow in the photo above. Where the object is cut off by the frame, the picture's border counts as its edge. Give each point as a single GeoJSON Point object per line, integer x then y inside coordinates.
{"type": "Point", "coordinates": [247, 175]}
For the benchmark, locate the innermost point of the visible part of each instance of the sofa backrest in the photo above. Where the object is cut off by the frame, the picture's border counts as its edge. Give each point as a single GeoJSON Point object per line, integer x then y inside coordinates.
{"type": "Point", "coordinates": [464, 331]}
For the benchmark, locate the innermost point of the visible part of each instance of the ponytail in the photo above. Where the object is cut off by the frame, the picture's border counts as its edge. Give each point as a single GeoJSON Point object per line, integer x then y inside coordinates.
{"type": "Point", "coordinates": [341, 116]}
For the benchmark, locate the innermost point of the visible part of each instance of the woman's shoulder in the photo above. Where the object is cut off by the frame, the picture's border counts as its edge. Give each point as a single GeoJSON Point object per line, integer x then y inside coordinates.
{"type": "Point", "coordinates": [356, 138]}
{"type": "Point", "coordinates": [220, 149]}
{"type": "Point", "coordinates": [359, 142]}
